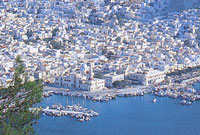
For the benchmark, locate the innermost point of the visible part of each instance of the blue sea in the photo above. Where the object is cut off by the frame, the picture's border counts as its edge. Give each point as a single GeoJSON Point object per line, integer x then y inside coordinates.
{"type": "Point", "coordinates": [125, 116]}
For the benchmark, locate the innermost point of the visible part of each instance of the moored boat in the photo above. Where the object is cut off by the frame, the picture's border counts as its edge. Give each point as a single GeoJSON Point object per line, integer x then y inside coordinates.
{"type": "Point", "coordinates": [154, 100]}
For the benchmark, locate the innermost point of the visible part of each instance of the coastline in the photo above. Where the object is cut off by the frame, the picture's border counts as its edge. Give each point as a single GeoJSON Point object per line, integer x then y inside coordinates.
{"type": "Point", "coordinates": [125, 115]}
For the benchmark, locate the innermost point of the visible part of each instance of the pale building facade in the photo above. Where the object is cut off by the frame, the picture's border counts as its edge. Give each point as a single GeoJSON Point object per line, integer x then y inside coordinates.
{"type": "Point", "coordinates": [81, 80]}
{"type": "Point", "coordinates": [148, 77]}
{"type": "Point", "coordinates": [111, 78]}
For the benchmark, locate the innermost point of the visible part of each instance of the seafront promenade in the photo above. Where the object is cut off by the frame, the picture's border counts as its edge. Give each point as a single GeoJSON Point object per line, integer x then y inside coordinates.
{"type": "Point", "coordinates": [170, 88]}
{"type": "Point", "coordinates": [131, 90]}
{"type": "Point", "coordinates": [185, 83]}
{"type": "Point", "coordinates": [103, 95]}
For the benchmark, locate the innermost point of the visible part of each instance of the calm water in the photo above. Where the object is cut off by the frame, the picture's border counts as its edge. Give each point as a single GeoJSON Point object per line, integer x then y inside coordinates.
{"type": "Point", "coordinates": [125, 116]}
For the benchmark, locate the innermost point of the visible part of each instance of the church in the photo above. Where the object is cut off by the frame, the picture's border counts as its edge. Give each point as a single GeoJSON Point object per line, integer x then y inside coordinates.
{"type": "Point", "coordinates": [81, 80]}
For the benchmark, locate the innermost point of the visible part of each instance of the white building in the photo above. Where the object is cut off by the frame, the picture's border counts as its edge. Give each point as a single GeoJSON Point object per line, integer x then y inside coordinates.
{"type": "Point", "coordinates": [5, 82]}
{"type": "Point", "coordinates": [82, 79]}
{"type": "Point", "coordinates": [112, 77]}
{"type": "Point", "coordinates": [147, 77]}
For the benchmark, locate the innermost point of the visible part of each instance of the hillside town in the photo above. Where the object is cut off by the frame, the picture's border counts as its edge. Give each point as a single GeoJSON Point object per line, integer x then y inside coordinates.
{"type": "Point", "coordinates": [90, 45]}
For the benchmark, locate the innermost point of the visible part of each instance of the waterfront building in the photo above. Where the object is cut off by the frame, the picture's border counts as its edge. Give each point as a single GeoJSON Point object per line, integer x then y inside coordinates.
{"type": "Point", "coordinates": [147, 77]}
{"type": "Point", "coordinates": [82, 79]}
{"type": "Point", "coordinates": [111, 78]}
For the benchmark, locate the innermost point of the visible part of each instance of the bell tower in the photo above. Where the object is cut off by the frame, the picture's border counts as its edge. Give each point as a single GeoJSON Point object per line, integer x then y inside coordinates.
{"type": "Point", "coordinates": [90, 75]}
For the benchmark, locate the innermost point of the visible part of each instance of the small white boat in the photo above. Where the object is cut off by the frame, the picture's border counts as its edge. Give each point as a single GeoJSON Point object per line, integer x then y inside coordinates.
{"type": "Point", "coordinates": [87, 118]}
{"type": "Point", "coordinates": [183, 102]}
{"type": "Point", "coordinates": [81, 120]}
{"type": "Point", "coordinates": [154, 100]}
{"type": "Point", "coordinates": [189, 103]}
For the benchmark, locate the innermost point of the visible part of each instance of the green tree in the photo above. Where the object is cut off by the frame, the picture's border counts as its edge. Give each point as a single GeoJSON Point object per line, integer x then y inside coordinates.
{"type": "Point", "coordinates": [15, 117]}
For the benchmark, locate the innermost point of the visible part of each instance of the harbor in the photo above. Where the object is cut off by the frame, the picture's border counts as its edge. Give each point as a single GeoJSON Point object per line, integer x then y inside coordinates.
{"type": "Point", "coordinates": [99, 96]}
{"type": "Point", "coordinates": [169, 104]}
{"type": "Point", "coordinates": [187, 95]}
{"type": "Point", "coordinates": [174, 89]}
{"type": "Point", "coordinates": [77, 111]}
{"type": "Point", "coordinates": [165, 114]}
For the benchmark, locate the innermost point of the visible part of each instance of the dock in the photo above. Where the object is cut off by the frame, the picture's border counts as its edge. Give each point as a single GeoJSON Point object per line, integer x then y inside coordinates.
{"type": "Point", "coordinates": [54, 111]}
{"type": "Point", "coordinates": [79, 112]}
{"type": "Point", "coordinates": [104, 95]}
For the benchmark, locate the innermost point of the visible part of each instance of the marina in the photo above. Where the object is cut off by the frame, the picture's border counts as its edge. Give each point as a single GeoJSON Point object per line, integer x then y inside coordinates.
{"type": "Point", "coordinates": [182, 90]}
{"type": "Point", "coordinates": [99, 96]}
{"type": "Point", "coordinates": [187, 94]}
{"type": "Point", "coordinates": [166, 114]}
{"type": "Point", "coordinates": [182, 87]}
{"type": "Point", "coordinates": [77, 111]}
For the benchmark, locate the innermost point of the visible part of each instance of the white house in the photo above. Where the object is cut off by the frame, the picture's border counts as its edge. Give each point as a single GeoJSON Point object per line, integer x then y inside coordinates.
{"type": "Point", "coordinates": [148, 77]}
{"type": "Point", "coordinates": [112, 77]}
